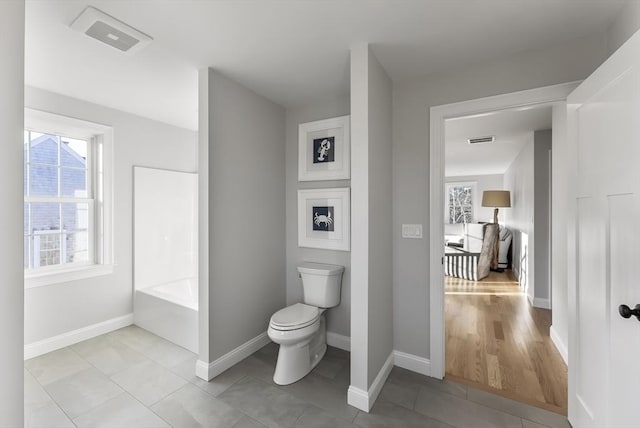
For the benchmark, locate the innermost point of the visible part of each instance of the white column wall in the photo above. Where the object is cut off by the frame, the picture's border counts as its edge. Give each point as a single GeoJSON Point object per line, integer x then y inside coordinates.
{"type": "Point", "coordinates": [11, 215]}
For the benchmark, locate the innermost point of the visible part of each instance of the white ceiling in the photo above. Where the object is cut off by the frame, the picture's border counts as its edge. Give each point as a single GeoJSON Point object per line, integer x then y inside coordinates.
{"type": "Point", "coordinates": [512, 129]}
{"type": "Point", "coordinates": [288, 50]}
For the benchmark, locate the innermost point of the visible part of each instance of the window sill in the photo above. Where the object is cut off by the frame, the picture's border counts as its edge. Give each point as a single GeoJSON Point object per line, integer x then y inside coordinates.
{"type": "Point", "coordinates": [33, 280]}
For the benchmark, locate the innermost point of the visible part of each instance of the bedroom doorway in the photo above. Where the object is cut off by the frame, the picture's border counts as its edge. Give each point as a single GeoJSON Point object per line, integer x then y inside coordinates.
{"type": "Point", "coordinates": [497, 322]}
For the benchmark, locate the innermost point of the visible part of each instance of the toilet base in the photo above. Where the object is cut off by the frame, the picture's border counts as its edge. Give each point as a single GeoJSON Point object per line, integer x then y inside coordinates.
{"type": "Point", "coordinates": [296, 361]}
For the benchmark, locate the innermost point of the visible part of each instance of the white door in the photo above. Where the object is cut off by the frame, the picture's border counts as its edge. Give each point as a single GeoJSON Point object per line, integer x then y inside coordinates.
{"type": "Point", "coordinates": [604, 352]}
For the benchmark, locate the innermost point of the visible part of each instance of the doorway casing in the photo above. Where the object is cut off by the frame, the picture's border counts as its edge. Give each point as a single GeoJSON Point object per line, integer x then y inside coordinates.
{"type": "Point", "coordinates": [438, 115]}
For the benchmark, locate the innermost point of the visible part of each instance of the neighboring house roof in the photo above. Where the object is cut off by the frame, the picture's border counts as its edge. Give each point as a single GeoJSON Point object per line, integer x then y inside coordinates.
{"type": "Point", "coordinates": [65, 147]}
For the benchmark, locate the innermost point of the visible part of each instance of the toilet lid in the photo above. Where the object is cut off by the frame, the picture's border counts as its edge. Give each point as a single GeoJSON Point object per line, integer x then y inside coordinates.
{"type": "Point", "coordinates": [298, 315]}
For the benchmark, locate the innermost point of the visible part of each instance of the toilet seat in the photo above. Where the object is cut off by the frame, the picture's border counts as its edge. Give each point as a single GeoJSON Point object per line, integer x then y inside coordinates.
{"type": "Point", "coordinates": [294, 317]}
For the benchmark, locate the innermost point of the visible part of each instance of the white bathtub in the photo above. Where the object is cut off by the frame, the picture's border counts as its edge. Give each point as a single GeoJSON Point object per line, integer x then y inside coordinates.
{"type": "Point", "coordinates": [170, 310]}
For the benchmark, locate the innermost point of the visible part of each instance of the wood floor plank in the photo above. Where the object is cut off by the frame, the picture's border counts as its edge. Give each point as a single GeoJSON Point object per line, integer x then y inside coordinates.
{"type": "Point", "coordinates": [495, 338]}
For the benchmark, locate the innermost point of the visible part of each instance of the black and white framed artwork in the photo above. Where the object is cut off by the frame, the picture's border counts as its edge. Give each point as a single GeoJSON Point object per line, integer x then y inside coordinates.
{"type": "Point", "coordinates": [324, 150]}
{"type": "Point", "coordinates": [323, 218]}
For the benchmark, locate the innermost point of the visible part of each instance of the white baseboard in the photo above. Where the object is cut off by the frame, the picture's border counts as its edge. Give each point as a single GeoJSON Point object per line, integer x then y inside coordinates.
{"type": "Point", "coordinates": [362, 400]}
{"type": "Point", "coordinates": [70, 338]}
{"type": "Point", "coordinates": [412, 362]}
{"type": "Point", "coordinates": [358, 398]}
{"type": "Point", "coordinates": [541, 303]}
{"type": "Point", "coordinates": [208, 371]}
{"type": "Point", "coordinates": [339, 341]}
{"type": "Point", "coordinates": [561, 347]}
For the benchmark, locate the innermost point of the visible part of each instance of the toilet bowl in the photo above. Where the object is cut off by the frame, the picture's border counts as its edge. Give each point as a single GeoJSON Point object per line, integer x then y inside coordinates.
{"type": "Point", "coordinates": [300, 329]}
{"type": "Point", "coordinates": [302, 340]}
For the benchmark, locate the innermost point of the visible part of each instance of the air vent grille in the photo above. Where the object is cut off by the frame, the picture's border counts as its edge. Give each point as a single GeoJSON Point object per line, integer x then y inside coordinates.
{"type": "Point", "coordinates": [481, 140]}
{"type": "Point", "coordinates": [111, 36]}
{"type": "Point", "coordinates": [109, 30]}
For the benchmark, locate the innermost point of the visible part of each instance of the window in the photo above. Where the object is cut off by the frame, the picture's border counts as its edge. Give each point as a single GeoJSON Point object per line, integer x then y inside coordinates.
{"type": "Point", "coordinates": [65, 208]}
{"type": "Point", "coordinates": [460, 202]}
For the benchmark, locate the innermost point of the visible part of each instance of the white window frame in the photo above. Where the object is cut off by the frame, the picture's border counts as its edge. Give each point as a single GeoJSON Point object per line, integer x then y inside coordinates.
{"type": "Point", "coordinates": [100, 157]}
{"type": "Point", "coordinates": [474, 197]}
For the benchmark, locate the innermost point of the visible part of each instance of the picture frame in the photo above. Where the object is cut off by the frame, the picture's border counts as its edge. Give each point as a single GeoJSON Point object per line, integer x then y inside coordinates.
{"type": "Point", "coordinates": [324, 150]}
{"type": "Point", "coordinates": [324, 218]}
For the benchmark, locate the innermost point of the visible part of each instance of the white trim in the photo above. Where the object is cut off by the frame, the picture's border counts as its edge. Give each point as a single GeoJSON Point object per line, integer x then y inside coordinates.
{"type": "Point", "coordinates": [438, 115]}
{"type": "Point", "coordinates": [358, 398]}
{"type": "Point", "coordinates": [339, 341]}
{"type": "Point", "coordinates": [208, 371]}
{"type": "Point", "coordinates": [362, 400]}
{"type": "Point", "coordinates": [412, 362]}
{"type": "Point", "coordinates": [540, 303]}
{"type": "Point", "coordinates": [560, 346]}
{"type": "Point", "coordinates": [48, 277]}
{"type": "Point", "coordinates": [340, 169]}
{"type": "Point", "coordinates": [339, 238]}
{"type": "Point", "coordinates": [70, 338]}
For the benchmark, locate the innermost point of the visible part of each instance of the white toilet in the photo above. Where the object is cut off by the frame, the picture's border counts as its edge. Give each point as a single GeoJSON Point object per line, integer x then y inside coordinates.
{"type": "Point", "coordinates": [300, 329]}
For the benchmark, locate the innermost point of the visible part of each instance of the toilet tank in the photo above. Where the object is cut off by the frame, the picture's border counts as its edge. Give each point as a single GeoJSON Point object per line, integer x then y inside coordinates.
{"type": "Point", "coordinates": [321, 284]}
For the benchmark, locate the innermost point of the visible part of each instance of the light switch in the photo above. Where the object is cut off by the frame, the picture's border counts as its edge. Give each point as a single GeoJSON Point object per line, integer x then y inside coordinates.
{"type": "Point", "coordinates": [412, 231]}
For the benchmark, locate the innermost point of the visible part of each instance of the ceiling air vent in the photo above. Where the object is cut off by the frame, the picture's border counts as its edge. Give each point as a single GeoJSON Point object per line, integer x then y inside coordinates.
{"type": "Point", "coordinates": [107, 29]}
{"type": "Point", "coordinates": [481, 140]}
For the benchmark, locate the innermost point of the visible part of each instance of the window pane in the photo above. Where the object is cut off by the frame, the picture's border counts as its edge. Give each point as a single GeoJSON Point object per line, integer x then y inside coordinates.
{"type": "Point", "coordinates": [44, 180]}
{"type": "Point", "coordinates": [77, 247]}
{"type": "Point", "coordinates": [45, 217]}
{"type": "Point", "coordinates": [46, 248]}
{"type": "Point", "coordinates": [26, 251]}
{"type": "Point", "coordinates": [44, 149]}
{"type": "Point", "coordinates": [73, 153]}
{"type": "Point", "coordinates": [75, 220]}
{"type": "Point", "coordinates": [74, 183]}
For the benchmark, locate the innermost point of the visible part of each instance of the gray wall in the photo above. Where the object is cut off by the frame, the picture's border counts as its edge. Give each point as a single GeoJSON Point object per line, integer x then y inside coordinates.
{"type": "Point", "coordinates": [541, 216]}
{"type": "Point", "coordinates": [380, 219]}
{"type": "Point", "coordinates": [562, 62]}
{"type": "Point", "coordinates": [338, 318]}
{"type": "Point", "coordinates": [624, 26]}
{"type": "Point", "coordinates": [137, 141]}
{"type": "Point", "coordinates": [519, 180]}
{"type": "Point", "coordinates": [528, 180]}
{"type": "Point", "coordinates": [483, 182]}
{"type": "Point", "coordinates": [11, 273]}
{"type": "Point", "coordinates": [245, 182]}
{"type": "Point", "coordinates": [371, 252]}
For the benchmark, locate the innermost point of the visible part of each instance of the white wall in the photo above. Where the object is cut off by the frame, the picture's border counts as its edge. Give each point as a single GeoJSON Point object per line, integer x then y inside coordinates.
{"type": "Point", "coordinates": [137, 141]}
{"type": "Point", "coordinates": [561, 166]}
{"type": "Point", "coordinates": [242, 202]}
{"type": "Point", "coordinates": [11, 268]}
{"type": "Point", "coordinates": [371, 251]}
{"type": "Point", "coordinates": [338, 318]}
{"type": "Point", "coordinates": [519, 180]}
{"type": "Point", "coordinates": [483, 182]}
{"type": "Point", "coordinates": [562, 62]}
{"type": "Point", "coordinates": [165, 226]}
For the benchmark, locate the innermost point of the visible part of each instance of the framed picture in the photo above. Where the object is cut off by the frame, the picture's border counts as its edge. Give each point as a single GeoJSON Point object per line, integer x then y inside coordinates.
{"type": "Point", "coordinates": [324, 150]}
{"type": "Point", "coordinates": [324, 218]}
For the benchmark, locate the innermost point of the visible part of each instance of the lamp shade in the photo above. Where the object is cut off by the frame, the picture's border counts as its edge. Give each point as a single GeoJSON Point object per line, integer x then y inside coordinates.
{"type": "Point", "coordinates": [496, 198]}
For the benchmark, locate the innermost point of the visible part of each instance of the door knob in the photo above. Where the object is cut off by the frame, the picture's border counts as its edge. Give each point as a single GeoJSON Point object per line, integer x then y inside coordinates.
{"type": "Point", "coordinates": [626, 312]}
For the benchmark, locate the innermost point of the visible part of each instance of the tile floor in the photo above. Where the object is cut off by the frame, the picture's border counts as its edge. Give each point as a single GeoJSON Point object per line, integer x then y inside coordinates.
{"type": "Point", "coordinates": [133, 379]}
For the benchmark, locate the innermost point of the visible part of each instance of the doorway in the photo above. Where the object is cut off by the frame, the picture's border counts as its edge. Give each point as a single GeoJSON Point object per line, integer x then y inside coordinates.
{"type": "Point", "coordinates": [477, 310]}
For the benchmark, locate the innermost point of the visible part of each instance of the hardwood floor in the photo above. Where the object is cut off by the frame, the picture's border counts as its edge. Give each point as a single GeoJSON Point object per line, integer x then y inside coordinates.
{"type": "Point", "coordinates": [496, 341]}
